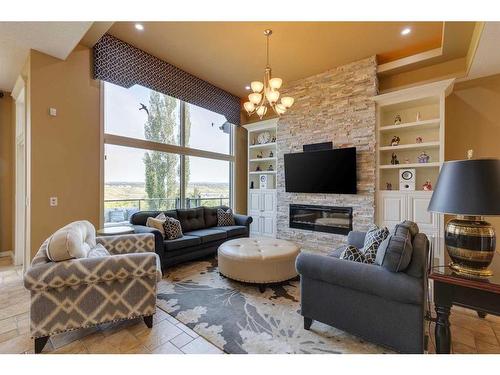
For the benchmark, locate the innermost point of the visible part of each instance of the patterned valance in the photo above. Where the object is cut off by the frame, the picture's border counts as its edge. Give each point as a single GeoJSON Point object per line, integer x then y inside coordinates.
{"type": "Point", "coordinates": [122, 64]}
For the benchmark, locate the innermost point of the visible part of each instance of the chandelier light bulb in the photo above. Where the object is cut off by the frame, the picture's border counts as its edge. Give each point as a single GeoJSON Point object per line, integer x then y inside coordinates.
{"type": "Point", "coordinates": [272, 96]}
{"type": "Point", "coordinates": [261, 111]}
{"type": "Point", "coordinates": [280, 109]}
{"type": "Point", "coordinates": [287, 101]}
{"type": "Point", "coordinates": [275, 83]}
{"type": "Point", "coordinates": [256, 86]}
{"type": "Point", "coordinates": [255, 98]}
{"type": "Point", "coordinates": [249, 106]}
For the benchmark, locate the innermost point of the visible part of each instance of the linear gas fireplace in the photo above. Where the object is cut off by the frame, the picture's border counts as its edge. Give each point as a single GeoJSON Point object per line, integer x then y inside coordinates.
{"type": "Point", "coordinates": [328, 219]}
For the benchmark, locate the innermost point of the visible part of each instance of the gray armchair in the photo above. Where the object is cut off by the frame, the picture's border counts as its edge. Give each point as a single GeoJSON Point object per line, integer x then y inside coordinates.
{"type": "Point", "coordinates": [367, 300]}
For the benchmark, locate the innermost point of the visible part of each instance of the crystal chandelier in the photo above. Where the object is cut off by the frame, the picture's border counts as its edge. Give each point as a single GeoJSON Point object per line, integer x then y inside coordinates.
{"type": "Point", "coordinates": [265, 94]}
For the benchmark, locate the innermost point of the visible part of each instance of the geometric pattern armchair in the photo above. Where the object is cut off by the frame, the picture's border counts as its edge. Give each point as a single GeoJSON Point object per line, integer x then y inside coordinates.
{"type": "Point", "coordinates": [117, 283]}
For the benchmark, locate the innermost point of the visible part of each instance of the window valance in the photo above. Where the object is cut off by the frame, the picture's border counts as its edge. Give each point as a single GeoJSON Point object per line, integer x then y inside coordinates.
{"type": "Point", "coordinates": [122, 64]}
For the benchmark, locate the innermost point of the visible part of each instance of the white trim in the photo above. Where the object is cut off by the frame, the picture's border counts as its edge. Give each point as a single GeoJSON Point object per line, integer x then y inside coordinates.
{"type": "Point", "coordinates": [162, 147]}
{"type": "Point", "coordinates": [9, 253]}
{"type": "Point", "coordinates": [417, 92]}
{"type": "Point", "coordinates": [413, 59]}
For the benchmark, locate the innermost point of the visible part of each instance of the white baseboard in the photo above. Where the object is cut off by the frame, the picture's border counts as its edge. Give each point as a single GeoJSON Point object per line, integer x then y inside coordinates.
{"type": "Point", "coordinates": [7, 254]}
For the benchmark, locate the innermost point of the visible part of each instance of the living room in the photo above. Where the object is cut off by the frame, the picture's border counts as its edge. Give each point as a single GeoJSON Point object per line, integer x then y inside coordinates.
{"type": "Point", "coordinates": [246, 186]}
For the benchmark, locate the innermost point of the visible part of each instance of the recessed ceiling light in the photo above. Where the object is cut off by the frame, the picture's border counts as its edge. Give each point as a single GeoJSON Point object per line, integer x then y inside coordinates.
{"type": "Point", "coordinates": [405, 31]}
{"type": "Point", "coordinates": [139, 26]}
{"type": "Point", "coordinates": [247, 87]}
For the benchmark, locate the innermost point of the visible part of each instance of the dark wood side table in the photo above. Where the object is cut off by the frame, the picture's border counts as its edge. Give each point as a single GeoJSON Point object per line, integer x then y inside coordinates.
{"type": "Point", "coordinates": [481, 295]}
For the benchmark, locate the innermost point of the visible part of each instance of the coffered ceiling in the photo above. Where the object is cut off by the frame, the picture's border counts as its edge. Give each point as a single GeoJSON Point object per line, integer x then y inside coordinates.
{"type": "Point", "coordinates": [232, 54]}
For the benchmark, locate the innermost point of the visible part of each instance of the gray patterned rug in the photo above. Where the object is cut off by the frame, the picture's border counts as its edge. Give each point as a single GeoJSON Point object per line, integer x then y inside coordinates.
{"type": "Point", "coordinates": [238, 318]}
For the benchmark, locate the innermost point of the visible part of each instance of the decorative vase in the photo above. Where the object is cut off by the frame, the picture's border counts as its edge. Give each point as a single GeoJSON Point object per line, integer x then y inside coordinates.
{"type": "Point", "coordinates": [471, 243]}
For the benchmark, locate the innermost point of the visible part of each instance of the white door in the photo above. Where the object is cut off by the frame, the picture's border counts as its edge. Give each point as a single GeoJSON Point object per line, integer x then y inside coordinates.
{"type": "Point", "coordinates": [417, 212]}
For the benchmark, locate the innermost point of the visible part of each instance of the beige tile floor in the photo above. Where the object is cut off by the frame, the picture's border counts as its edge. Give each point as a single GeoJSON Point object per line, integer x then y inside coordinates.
{"type": "Point", "coordinates": [168, 336]}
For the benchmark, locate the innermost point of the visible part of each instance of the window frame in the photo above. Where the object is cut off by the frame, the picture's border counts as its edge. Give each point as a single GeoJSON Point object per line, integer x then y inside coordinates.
{"type": "Point", "coordinates": [180, 150]}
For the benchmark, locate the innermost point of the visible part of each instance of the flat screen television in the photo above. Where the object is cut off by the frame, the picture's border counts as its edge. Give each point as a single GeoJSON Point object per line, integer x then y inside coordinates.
{"type": "Point", "coordinates": [327, 171]}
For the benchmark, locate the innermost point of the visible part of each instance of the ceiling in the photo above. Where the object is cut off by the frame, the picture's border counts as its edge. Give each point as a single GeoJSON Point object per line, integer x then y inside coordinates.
{"type": "Point", "coordinates": [17, 38]}
{"type": "Point", "coordinates": [487, 58]}
{"type": "Point", "coordinates": [232, 54]}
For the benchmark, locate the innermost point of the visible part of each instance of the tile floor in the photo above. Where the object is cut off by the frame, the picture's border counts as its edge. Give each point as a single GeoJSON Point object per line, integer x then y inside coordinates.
{"type": "Point", "coordinates": [168, 336]}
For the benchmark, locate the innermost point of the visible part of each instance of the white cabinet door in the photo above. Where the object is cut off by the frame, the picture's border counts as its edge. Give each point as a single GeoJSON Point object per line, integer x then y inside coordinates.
{"type": "Point", "coordinates": [392, 209]}
{"type": "Point", "coordinates": [255, 225]}
{"type": "Point", "coordinates": [417, 212]}
{"type": "Point", "coordinates": [268, 225]}
{"type": "Point", "coordinates": [254, 201]}
{"type": "Point", "coordinates": [268, 201]}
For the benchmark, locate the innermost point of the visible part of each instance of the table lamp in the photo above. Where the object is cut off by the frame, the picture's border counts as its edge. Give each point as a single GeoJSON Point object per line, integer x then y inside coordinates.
{"type": "Point", "coordinates": [469, 189]}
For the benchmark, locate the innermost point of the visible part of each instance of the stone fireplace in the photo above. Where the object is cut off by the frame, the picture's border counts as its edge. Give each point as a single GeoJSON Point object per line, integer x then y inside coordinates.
{"type": "Point", "coordinates": [334, 106]}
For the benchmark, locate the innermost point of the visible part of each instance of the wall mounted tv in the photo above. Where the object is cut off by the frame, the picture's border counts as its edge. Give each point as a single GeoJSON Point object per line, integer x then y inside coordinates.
{"type": "Point", "coordinates": [327, 171]}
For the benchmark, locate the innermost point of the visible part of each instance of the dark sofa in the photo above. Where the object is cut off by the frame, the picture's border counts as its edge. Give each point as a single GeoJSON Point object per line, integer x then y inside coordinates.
{"type": "Point", "coordinates": [201, 237]}
{"type": "Point", "coordinates": [384, 307]}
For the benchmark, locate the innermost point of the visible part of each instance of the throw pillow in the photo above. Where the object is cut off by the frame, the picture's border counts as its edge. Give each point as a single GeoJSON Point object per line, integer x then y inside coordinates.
{"type": "Point", "coordinates": [157, 223]}
{"type": "Point", "coordinates": [373, 239]}
{"type": "Point", "coordinates": [353, 254]}
{"type": "Point", "coordinates": [394, 253]}
{"type": "Point", "coordinates": [98, 251]}
{"type": "Point", "coordinates": [225, 218]}
{"type": "Point", "coordinates": [172, 228]}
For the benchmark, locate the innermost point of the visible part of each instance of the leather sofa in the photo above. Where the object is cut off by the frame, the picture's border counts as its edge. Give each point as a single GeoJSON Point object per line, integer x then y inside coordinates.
{"type": "Point", "coordinates": [201, 235]}
{"type": "Point", "coordinates": [367, 300]}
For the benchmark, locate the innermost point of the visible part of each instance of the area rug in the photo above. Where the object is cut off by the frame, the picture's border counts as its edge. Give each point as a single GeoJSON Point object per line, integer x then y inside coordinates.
{"type": "Point", "coordinates": [237, 318]}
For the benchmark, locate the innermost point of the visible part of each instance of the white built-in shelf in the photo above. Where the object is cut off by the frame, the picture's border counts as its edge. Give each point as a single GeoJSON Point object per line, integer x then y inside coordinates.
{"type": "Point", "coordinates": [263, 159]}
{"type": "Point", "coordinates": [262, 145]}
{"type": "Point", "coordinates": [262, 172]}
{"type": "Point", "coordinates": [424, 124]}
{"type": "Point", "coordinates": [411, 165]}
{"type": "Point", "coordinates": [411, 146]}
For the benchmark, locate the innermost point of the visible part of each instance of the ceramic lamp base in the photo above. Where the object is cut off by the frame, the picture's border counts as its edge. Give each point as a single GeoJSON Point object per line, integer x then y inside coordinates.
{"type": "Point", "coordinates": [470, 242]}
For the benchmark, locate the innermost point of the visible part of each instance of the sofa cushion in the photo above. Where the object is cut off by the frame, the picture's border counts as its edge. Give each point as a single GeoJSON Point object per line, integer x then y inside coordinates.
{"type": "Point", "coordinates": [211, 215]}
{"type": "Point", "coordinates": [98, 251]}
{"type": "Point", "coordinates": [336, 253]}
{"type": "Point", "coordinates": [191, 219]}
{"type": "Point", "coordinates": [225, 217]}
{"type": "Point", "coordinates": [208, 235]}
{"type": "Point", "coordinates": [181, 243]}
{"type": "Point", "coordinates": [71, 241]}
{"type": "Point", "coordinates": [394, 253]}
{"type": "Point", "coordinates": [157, 223]}
{"type": "Point", "coordinates": [353, 254]}
{"type": "Point", "coordinates": [406, 227]}
{"type": "Point", "coordinates": [234, 230]}
{"type": "Point", "coordinates": [172, 228]}
{"type": "Point", "coordinates": [140, 218]}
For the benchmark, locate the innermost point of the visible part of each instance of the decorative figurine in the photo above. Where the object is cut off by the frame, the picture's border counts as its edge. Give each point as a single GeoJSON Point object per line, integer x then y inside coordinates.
{"type": "Point", "coordinates": [427, 186]}
{"type": "Point", "coordinates": [260, 155]}
{"type": "Point", "coordinates": [258, 169]}
{"type": "Point", "coordinates": [394, 159]}
{"type": "Point", "coordinates": [407, 161]}
{"type": "Point", "coordinates": [423, 158]}
{"type": "Point", "coordinates": [263, 138]}
{"type": "Point", "coordinates": [418, 140]}
{"type": "Point", "coordinates": [253, 142]}
{"type": "Point", "coordinates": [251, 184]}
{"type": "Point", "coordinates": [270, 168]}
{"type": "Point", "coordinates": [418, 116]}
{"type": "Point", "coordinates": [271, 154]}
{"type": "Point", "coordinates": [395, 140]}
{"type": "Point", "coordinates": [388, 186]}
{"type": "Point", "coordinates": [397, 120]}
{"type": "Point", "coordinates": [273, 140]}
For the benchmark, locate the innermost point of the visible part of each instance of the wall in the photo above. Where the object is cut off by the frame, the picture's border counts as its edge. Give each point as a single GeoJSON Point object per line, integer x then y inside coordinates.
{"type": "Point", "coordinates": [473, 122]}
{"type": "Point", "coordinates": [240, 170]}
{"type": "Point", "coordinates": [7, 134]}
{"type": "Point", "coordinates": [333, 106]}
{"type": "Point", "coordinates": [65, 154]}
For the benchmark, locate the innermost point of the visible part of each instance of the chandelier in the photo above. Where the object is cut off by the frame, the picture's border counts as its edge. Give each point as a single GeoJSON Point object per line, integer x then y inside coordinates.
{"type": "Point", "coordinates": [265, 94]}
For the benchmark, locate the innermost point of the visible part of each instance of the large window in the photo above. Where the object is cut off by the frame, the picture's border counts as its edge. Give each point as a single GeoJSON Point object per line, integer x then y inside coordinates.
{"type": "Point", "coordinates": [161, 153]}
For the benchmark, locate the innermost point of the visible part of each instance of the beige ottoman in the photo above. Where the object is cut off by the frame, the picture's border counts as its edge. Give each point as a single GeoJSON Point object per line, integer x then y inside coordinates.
{"type": "Point", "coordinates": [258, 260]}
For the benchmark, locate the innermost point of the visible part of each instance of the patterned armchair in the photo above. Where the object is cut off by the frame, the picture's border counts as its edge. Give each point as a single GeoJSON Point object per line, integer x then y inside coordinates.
{"type": "Point", "coordinates": [115, 283]}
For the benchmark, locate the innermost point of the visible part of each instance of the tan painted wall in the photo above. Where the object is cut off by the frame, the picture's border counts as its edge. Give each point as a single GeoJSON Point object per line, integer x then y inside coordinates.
{"type": "Point", "coordinates": [473, 122]}
{"type": "Point", "coordinates": [7, 134]}
{"type": "Point", "coordinates": [65, 149]}
{"type": "Point", "coordinates": [240, 174]}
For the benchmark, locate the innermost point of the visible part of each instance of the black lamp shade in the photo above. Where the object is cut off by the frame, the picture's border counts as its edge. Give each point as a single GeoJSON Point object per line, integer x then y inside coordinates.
{"type": "Point", "coordinates": [468, 187]}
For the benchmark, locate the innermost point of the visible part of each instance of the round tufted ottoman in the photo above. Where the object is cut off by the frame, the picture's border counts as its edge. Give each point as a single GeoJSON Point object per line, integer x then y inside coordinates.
{"type": "Point", "coordinates": [258, 260]}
